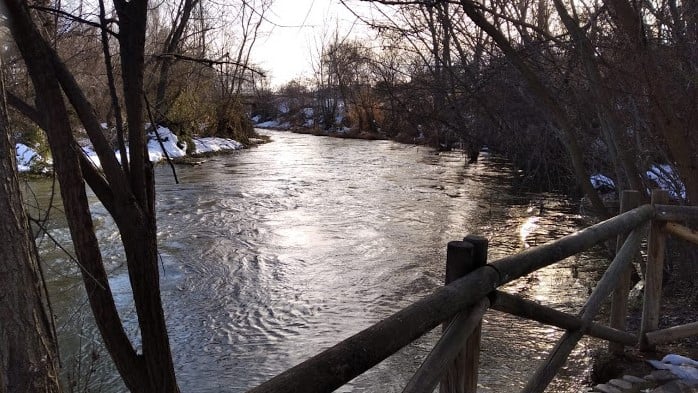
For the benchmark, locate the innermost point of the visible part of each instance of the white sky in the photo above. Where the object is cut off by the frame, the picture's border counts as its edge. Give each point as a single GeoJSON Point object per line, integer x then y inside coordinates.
{"type": "Point", "coordinates": [285, 50]}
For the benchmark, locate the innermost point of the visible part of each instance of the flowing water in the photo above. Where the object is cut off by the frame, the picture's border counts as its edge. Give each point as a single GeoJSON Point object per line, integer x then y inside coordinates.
{"type": "Point", "coordinates": [272, 254]}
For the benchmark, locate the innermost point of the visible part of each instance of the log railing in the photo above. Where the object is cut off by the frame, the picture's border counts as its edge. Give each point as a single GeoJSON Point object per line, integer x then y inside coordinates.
{"type": "Point", "coordinates": [472, 288]}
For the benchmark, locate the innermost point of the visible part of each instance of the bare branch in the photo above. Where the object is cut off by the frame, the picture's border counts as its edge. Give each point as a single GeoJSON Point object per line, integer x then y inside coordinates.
{"type": "Point", "coordinates": [153, 127]}
{"type": "Point", "coordinates": [209, 62]}
{"type": "Point", "coordinates": [75, 18]}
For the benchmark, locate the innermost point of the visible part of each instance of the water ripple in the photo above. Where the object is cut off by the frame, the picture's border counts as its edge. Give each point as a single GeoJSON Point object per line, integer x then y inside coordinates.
{"type": "Point", "coordinates": [275, 253]}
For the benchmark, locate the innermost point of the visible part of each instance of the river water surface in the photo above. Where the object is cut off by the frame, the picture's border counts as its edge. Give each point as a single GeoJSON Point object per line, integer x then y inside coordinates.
{"type": "Point", "coordinates": [272, 254]}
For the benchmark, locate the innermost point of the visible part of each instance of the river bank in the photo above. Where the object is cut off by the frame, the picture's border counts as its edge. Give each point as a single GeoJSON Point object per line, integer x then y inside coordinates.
{"type": "Point", "coordinates": [660, 176]}
{"type": "Point", "coordinates": [679, 302]}
{"type": "Point", "coordinates": [672, 374]}
{"type": "Point", "coordinates": [162, 144]}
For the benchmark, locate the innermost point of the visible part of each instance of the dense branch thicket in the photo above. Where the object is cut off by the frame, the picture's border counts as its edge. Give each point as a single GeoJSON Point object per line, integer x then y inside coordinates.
{"type": "Point", "coordinates": [564, 89]}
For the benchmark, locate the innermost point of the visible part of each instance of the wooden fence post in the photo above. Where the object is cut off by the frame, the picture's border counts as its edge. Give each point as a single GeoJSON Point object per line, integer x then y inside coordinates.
{"type": "Point", "coordinates": [630, 199]}
{"type": "Point", "coordinates": [472, 346]}
{"type": "Point", "coordinates": [656, 245]}
{"type": "Point", "coordinates": [459, 261]}
{"type": "Point", "coordinates": [463, 258]}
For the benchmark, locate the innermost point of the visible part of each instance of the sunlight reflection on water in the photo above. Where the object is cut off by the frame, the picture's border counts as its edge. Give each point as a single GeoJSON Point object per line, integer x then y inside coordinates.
{"type": "Point", "coordinates": [272, 254]}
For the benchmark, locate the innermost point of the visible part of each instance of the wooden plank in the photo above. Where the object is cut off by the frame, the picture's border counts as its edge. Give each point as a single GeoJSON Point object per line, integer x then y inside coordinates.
{"type": "Point", "coordinates": [515, 266]}
{"type": "Point", "coordinates": [672, 334]}
{"type": "Point", "coordinates": [445, 351]}
{"type": "Point", "coordinates": [656, 245]}
{"type": "Point", "coordinates": [619, 304]}
{"type": "Point", "coordinates": [459, 260]}
{"type": "Point", "coordinates": [680, 231]}
{"type": "Point", "coordinates": [610, 277]}
{"type": "Point", "coordinates": [557, 357]}
{"type": "Point", "coordinates": [471, 350]}
{"type": "Point", "coordinates": [676, 213]}
{"type": "Point", "coordinates": [531, 310]}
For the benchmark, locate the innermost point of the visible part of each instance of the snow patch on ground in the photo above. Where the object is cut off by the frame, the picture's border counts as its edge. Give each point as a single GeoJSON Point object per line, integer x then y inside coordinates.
{"type": "Point", "coordinates": [170, 142]}
{"type": "Point", "coordinates": [27, 157]}
{"type": "Point", "coordinates": [268, 124]}
{"type": "Point", "coordinates": [666, 179]}
{"type": "Point", "coordinates": [600, 181]}
{"type": "Point", "coordinates": [661, 176]}
{"type": "Point", "coordinates": [681, 366]}
{"type": "Point", "coordinates": [91, 153]}
{"type": "Point", "coordinates": [274, 124]}
{"type": "Point", "coordinates": [211, 144]}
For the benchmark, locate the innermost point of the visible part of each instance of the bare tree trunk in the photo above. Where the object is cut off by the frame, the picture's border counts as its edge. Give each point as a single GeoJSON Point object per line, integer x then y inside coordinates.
{"type": "Point", "coordinates": [67, 167]}
{"type": "Point", "coordinates": [131, 202]}
{"type": "Point", "coordinates": [171, 46]}
{"type": "Point", "coordinates": [28, 351]}
{"type": "Point", "coordinates": [139, 231]}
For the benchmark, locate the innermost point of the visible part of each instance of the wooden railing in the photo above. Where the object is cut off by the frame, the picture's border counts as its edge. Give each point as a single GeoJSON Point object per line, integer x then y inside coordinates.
{"type": "Point", "coordinates": [472, 288]}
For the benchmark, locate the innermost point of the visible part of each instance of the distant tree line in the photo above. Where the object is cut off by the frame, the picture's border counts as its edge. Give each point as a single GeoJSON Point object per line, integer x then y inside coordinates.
{"type": "Point", "coordinates": [564, 89]}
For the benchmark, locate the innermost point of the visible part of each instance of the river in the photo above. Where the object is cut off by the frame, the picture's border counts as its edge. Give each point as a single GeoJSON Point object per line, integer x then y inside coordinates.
{"type": "Point", "coordinates": [271, 254]}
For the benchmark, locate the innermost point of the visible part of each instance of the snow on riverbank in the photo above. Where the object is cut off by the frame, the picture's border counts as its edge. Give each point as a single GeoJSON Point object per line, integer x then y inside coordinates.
{"type": "Point", "coordinates": [27, 158]}
{"type": "Point", "coordinates": [660, 176]}
{"type": "Point", "coordinates": [274, 125]}
{"type": "Point", "coordinates": [213, 144]}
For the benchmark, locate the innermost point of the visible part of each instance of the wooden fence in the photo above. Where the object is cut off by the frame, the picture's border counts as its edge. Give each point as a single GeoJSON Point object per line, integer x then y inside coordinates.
{"type": "Point", "coordinates": [471, 288]}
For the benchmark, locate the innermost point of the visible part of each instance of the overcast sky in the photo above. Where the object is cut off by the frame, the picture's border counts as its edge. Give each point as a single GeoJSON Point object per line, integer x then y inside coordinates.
{"type": "Point", "coordinates": [285, 49]}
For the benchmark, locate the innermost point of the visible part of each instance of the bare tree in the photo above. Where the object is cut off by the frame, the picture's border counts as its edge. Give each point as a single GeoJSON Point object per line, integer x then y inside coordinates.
{"type": "Point", "coordinates": [28, 349]}
{"type": "Point", "coordinates": [614, 73]}
{"type": "Point", "coordinates": [328, 97]}
{"type": "Point", "coordinates": [350, 68]}
{"type": "Point", "coordinates": [172, 46]}
{"type": "Point", "coordinates": [127, 194]}
{"type": "Point", "coordinates": [665, 67]}
{"type": "Point", "coordinates": [235, 76]}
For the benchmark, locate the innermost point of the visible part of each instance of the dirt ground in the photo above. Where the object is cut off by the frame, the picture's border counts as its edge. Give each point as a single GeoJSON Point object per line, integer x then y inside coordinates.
{"type": "Point", "coordinates": [679, 306]}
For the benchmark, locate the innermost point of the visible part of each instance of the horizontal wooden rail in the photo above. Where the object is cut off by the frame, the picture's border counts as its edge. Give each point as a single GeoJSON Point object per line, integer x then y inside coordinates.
{"type": "Point", "coordinates": [676, 213]}
{"type": "Point", "coordinates": [531, 310]}
{"type": "Point", "coordinates": [672, 333]}
{"type": "Point", "coordinates": [344, 361]}
{"type": "Point", "coordinates": [434, 366]}
{"type": "Point", "coordinates": [515, 266]}
{"type": "Point", "coordinates": [682, 232]}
